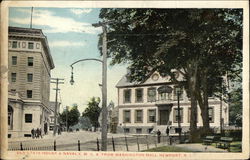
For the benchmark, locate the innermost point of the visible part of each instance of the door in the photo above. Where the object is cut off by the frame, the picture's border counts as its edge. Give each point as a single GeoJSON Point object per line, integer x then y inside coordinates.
{"type": "Point", "coordinates": [164, 116]}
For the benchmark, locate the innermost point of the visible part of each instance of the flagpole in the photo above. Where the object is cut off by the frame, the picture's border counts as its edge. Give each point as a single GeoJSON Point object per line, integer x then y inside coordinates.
{"type": "Point", "coordinates": [31, 17]}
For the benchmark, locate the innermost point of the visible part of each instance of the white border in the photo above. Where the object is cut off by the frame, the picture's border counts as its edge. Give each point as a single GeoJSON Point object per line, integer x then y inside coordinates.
{"type": "Point", "coordinates": [124, 4]}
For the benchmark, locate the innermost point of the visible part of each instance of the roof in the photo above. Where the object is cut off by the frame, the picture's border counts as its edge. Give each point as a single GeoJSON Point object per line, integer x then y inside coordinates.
{"type": "Point", "coordinates": [124, 82]}
{"type": "Point", "coordinates": [33, 33]}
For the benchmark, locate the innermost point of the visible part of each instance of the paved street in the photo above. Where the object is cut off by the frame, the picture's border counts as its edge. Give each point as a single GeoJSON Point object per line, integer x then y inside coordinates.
{"type": "Point", "coordinates": [88, 142]}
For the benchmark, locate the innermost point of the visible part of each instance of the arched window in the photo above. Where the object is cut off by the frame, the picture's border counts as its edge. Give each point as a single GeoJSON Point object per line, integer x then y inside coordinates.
{"type": "Point", "coordinates": [10, 117]}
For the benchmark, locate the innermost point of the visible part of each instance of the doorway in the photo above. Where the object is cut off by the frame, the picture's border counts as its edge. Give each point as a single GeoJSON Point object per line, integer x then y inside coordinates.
{"type": "Point", "coordinates": [164, 117]}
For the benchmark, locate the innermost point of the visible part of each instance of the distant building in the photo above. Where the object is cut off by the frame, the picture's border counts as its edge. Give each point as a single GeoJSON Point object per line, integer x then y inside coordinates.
{"type": "Point", "coordinates": [112, 117]}
{"type": "Point", "coordinates": [52, 114]}
{"type": "Point", "coordinates": [144, 107]}
{"type": "Point", "coordinates": [30, 63]}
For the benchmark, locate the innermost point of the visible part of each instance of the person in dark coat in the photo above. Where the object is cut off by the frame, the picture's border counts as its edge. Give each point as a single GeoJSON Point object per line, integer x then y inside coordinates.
{"type": "Point", "coordinates": [159, 136]}
{"type": "Point", "coordinates": [37, 133]}
{"type": "Point", "coordinates": [40, 132]}
{"type": "Point", "coordinates": [167, 131]}
{"type": "Point", "coordinates": [33, 133]}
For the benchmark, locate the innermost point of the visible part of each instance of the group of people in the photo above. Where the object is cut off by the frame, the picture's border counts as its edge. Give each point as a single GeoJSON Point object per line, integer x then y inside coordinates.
{"type": "Point", "coordinates": [36, 133]}
{"type": "Point", "coordinates": [159, 133]}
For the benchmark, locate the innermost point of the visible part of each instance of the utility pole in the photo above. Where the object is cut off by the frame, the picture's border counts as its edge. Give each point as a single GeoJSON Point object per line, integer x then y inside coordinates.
{"type": "Point", "coordinates": [104, 85]}
{"type": "Point", "coordinates": [57, 82]}
{"type": "Point", "coordinates": [67, 107]}
{"type": "Point", "coordinates": [31, 17]}
{"type": "Point", "coordinates": [179, 114]}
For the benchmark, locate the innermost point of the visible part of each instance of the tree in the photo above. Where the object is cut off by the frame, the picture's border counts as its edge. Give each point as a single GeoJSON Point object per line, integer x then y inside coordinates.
{"type": "Point", "coordinates": [71, 115]}
{"type": "Point", "coordinates": [235, 109]}
{"type": "Point", "coordinates": [93, 111]}
{"type": "Point", "coordinates": [201, 44]}
{"type": "Point", "coordinates": [85, 122]}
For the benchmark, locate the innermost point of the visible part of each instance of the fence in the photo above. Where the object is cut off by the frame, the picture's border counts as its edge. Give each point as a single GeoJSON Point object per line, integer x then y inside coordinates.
{"type": "Point", "coordinates": [126, 143]}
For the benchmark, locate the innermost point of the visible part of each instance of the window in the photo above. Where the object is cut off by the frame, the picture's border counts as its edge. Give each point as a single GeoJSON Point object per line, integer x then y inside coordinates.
{"type": "Point", "coordinates": [151, 115]}
{"type": "Point", "coordinates": [211, 114]}
{"type": "Point", "coordinates": [138, 130]}
{"type": "Point", "coordinates": [29, 93]}
{"type": "Point", "coordinates": [189, 115]}
{"type": "Point", "coordinates": [14, 44]}
{"type": "Point", "coordinates": [28, 118]}
{"type": "Point", "coordinates": [176, 115]}
{"type": "Point", "coordinates": [126, 116]}
{"type": "Point", "coordinates": [151, 94]}
{"type": "Point", "coordinates": [29, 77]}
{"type": "Point", "coordinates": [10, 117]}
{"type": "Point", "coordinates": [13, 90]}
{"type": "Point", "coordinates": [52, 119]}
{"type": "Point", "coordinates": [31, 45]}
{"type": "Point", "coordinates": [38, 46]}
{"type": "Point", "coordinates": [30, 61]}
{"type": "Point", "coordinates": [14, 60]}
{"type": "Point", "coordinates": [180, 94]}
{"type": "Point", "coordinates": [138, 116]}
{"type": "Point", "coordinates": [13, 77]}
{"type": "Point", "coordinates": [139, 95]}
{"type": "Point", "coordinates": [23, 44]}
{"type": "Point", "coordinates": [127, 96]}
{"type": "Point", "coordinates": [126, 130]}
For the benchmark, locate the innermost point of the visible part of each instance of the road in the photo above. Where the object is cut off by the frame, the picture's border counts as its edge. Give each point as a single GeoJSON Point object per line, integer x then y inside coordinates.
{"type": "Point", "coordinates": [88, 142]}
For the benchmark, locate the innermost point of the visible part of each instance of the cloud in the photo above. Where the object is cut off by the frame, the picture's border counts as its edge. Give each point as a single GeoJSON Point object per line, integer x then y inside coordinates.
{"type": "Point", "coordinates": [54, 23]}
{"type": "Point", "coordinates": [80, 11]}
{"type": "Point", "coordinates": [65, 44]}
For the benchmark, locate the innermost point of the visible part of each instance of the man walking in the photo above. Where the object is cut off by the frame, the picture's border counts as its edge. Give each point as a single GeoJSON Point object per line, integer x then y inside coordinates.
{"type": "Point", "coordinates": [37, 133]}
{"type": "Point", "coordinates": [159, 136]}
{"type": "Point", "coordinates": [40, 132]}
{"type": "Point", "coordinates": [167, 131]}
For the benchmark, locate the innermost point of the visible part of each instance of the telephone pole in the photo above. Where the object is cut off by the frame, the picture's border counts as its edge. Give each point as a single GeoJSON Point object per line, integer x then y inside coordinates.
{"type": "Point", "coordinates": [57, 82]}
{"type": "Point", "coordinates": [104, 84]}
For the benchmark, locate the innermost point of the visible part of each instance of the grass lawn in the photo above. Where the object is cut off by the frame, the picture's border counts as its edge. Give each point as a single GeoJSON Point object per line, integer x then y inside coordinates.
{"type": "Point", "coordinates": [167, 149]}
{"type": "Point", "coordinates": [234, 146]}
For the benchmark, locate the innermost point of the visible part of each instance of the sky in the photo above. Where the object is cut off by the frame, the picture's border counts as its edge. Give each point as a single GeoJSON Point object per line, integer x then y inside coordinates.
{"type": "Point", "coordinates": [71, 37]}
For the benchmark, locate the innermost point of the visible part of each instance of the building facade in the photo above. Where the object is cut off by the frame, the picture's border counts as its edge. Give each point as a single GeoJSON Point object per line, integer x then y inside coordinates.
{"type": "Point", "coordinates": [52, 106]}
{"type": "Point", "coordinates": [144, 107]}
{"type": "Point", "coordinates": [30, 63]}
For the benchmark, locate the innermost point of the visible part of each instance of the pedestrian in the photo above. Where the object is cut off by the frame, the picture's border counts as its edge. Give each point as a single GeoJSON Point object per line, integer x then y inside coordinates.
{"type": "Point", "coordinates": [33, 133]}
{"type": "Point", "coordinates": [40, 132]}
{"type": "Point", "coordinates": [159, 136]}
{"type": "Point", "coordinates": [167, 131]}
{"type": "Point", "coordinates": [37, 133]}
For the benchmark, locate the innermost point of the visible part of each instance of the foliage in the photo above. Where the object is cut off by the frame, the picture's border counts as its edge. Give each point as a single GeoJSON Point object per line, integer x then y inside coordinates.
{"type": "Point", "coordinates": [235, 108]}
{"type": "Point", "coordinates": [201, 44]}
{"type": "Point", "coordinates": [72, 115]}
{"type": "Point", "coordinates": [92, 111]}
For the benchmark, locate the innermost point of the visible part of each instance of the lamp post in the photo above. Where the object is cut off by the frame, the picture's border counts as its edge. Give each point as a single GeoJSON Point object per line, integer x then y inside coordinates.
{"type": "Point", "coordinates": [178, 90]}
{"type": "Point", "coordinates": [104, 82]}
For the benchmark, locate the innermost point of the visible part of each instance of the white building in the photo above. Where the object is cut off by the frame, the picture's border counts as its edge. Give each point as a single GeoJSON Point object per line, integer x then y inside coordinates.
{"type": "Point", "coordinates": [30, 63]}
{"type": "Point", "coordinates": [143, 108]}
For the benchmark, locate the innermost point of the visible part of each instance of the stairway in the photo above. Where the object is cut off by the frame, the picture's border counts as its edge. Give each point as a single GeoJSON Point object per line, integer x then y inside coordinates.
{"type": "Point", "coordinates": [161, 128]}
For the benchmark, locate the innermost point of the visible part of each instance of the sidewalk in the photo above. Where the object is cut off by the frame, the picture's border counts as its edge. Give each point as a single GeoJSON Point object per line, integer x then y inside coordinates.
{"type": "Point", "coordinates": [197, 147]}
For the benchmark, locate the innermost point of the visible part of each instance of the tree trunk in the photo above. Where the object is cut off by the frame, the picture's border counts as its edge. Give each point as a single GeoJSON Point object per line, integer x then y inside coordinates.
{"type": "Point", "coordinates": [203, 101]}
{"type": "Point", "coordinates": [192, 82]}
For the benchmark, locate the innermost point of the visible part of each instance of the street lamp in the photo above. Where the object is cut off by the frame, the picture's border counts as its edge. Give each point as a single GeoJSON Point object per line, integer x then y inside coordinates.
{"type": "Point", "coordinates": [104, 82]}
{"type": "Point", "coordinates": [178, 90]}
{"type": "Point", "coordinates": [72, 78]}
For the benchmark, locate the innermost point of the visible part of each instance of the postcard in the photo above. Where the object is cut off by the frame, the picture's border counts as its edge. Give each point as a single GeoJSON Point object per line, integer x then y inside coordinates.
{"type": "Point", "coordinates": [124, 80]}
